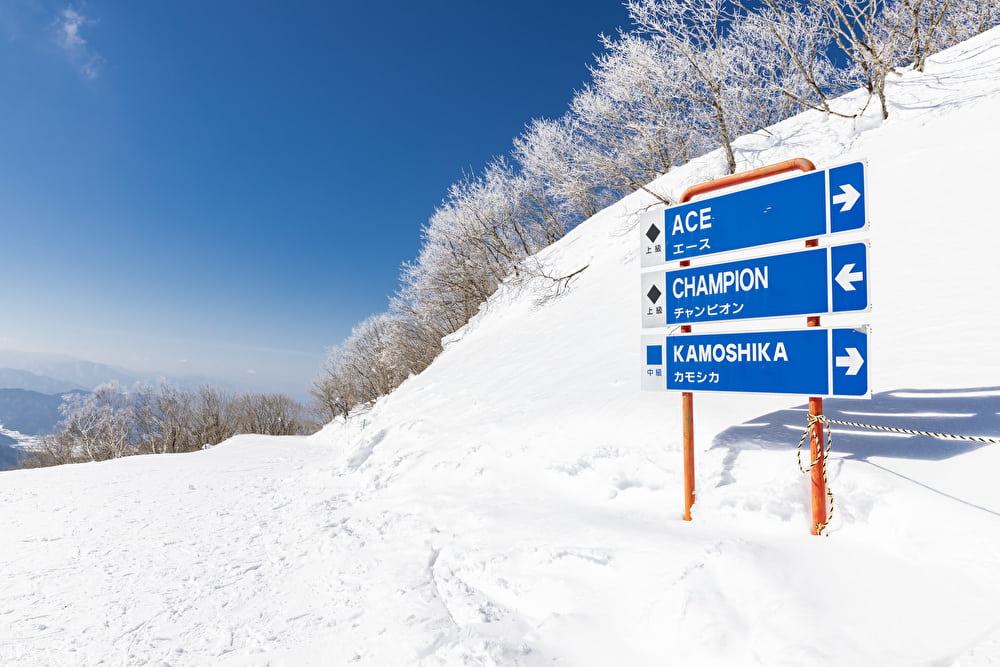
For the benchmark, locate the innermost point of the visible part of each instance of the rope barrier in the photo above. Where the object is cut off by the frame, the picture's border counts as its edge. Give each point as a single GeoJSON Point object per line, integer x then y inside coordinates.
{"type": "Point", "coordinates": [820, 527]}
{"type": "Point", "coordinates": [946, 436]}
{"type": "Point", "coordinates": [821, 419]}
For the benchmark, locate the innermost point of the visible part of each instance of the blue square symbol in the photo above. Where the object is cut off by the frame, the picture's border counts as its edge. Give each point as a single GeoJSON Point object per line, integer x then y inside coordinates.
{"type": "Point", "coordinates": [654, 355]}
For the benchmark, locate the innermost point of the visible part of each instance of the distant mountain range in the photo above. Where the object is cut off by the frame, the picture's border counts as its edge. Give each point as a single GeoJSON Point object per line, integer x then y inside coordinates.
{"type": "Point", "coordinates": [53, 374]}
{"type": "Point", "coordinates": [15, 378]}
{"type": "Point", "coordinates": [29, 413]}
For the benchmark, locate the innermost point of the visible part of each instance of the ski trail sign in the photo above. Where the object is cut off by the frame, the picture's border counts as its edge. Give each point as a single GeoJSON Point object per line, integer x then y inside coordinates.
{"type": "Point", "coordinates": [817, 281]}
{"type": "Point", "coordinates": [811, 362]}
{"type": "Point", "coordinates": [808, 206]}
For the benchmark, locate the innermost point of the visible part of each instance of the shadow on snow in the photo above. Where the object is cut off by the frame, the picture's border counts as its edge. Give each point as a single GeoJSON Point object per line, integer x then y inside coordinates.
{"type": "Point", "coordinates": [971, 412]}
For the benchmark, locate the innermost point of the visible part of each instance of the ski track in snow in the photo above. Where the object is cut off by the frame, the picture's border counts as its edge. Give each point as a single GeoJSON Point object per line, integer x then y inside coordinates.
{"type": "Point", "coordinates": [519, 502]}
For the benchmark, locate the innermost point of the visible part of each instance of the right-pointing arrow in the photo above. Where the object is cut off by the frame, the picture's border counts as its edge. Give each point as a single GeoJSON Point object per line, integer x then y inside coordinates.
{"type": "Point", "coordinates": [847, 276]}
{"type": "Point", "coordinates": [852, 362]}
{"type": "Point", "coordinates": [848, 197]}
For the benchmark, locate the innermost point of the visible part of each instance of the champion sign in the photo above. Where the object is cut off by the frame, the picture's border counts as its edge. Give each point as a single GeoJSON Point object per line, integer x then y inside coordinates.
{"type": "Point", "coordinates": [810, 282]}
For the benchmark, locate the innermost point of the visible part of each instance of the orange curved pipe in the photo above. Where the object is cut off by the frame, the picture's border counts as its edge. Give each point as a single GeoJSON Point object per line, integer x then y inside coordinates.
{"type": "Point", "coordinates": [746, 176]}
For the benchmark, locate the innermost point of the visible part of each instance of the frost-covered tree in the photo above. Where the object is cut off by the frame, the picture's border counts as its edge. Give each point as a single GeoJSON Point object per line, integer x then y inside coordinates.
{"type": "Point", "coordinates": [966, 18]}
{"type": "Point", "coordinates": [111, 422]}
{"type": "Point", "coordinates": [375, 359]}
{"type": "Point", "coordinates": [268, 414]}
{"type": "Point", "coordinates": [432, 305]}
{"type": "Point", "coordinates": [720, 102]}
{"type": "Point", "coordinates": [53, 449]}
{"type": "Point", "coordinates": [479, 236]}
{"type": "Point", "coordinates": [212, 419]}
{"type": "Point", "coordinates": [632, 116]}
{"type": "Point", "coordinates": [860, 30]}
{"type": "Point", "coordinates": [475, 240]}
{"type": "Point", "coordinates": [331, 394]}
{"type": "Point", "coordinates": [483, 217]}
{"type": "Point", "coordinates": [791, 48]}
{"type": "Point", "coordinates": [99, 424]}
{"type": "Point", "coordinates": [550, 156]}
{"type": "Point", "coordinates": [162, 419]}
{"type": "Point", "coordinates": [916, 26]}
{"type": "Point", "coordinates": [924, 27]}
{"type": "Point", "coordinates": [373, 356]}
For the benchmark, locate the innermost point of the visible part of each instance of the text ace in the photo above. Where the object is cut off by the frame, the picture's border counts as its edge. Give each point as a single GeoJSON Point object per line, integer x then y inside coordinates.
{"type": "Point", "coordinates": [693, 221]}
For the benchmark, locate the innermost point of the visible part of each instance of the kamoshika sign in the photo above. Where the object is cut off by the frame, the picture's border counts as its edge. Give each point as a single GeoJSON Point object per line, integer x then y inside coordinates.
{"type": "Point", "coordinates": [809, 362]}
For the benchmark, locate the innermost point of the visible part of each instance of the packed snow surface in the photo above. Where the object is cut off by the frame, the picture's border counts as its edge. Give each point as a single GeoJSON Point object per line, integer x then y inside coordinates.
{"type": "Point", "coordinates": [519, 503]}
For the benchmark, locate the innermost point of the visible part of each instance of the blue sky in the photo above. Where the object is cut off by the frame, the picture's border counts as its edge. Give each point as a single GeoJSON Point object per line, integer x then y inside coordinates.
{"type": "Point", "coordinates": [226, 188]}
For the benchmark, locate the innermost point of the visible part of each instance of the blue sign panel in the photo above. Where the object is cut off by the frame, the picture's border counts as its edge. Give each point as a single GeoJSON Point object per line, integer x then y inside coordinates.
{"type": "Point", "coordinates": [806, 206]}
{"type": "Point", "coordinates": [809, 282]}
{"type": "Point", "coordinates": [810, 362]}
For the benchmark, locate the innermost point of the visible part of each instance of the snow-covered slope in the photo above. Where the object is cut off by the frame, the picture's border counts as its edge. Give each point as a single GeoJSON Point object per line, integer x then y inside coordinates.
{"type": "Point", "coordinates": [520, 501]}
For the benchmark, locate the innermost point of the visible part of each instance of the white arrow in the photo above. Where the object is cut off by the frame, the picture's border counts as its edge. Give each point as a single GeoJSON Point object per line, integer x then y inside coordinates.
{"type": "Point", "coordinates": [848, 197]}
{"type": "Point", "coordinates": [846, 277]}
{"type": "Point", "coordinates": [852, 362]}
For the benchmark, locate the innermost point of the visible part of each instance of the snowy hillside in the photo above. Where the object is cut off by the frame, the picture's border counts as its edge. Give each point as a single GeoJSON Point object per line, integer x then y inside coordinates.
{"type": "Point", "coordinates": [519, 502]}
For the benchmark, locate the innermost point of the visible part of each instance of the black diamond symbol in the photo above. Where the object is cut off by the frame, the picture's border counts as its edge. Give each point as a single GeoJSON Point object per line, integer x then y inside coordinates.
{"type": "Point", "coordinates": [654, 294]}
{"type": "Point", "coordinates": [653, 233]}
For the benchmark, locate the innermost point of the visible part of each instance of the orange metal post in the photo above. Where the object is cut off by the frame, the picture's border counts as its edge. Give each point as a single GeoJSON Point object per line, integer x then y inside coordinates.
{"type": "Point", "coordinates": [687, 397]}
{"type": "Point", "coordinates": [817, 452]}
{"type": "Point", "coordinates": [818, 472]}
{"type": "Point", "coordinates": [687, 403]}
{"type": "Point", "coordinates": [687, 409]}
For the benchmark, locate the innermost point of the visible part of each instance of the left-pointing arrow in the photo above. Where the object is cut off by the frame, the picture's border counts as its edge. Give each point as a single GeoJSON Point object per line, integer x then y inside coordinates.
{"type": "Point", "coordinates": [852, 362]}
{"type": "Point", "coordinates": [847, 276]}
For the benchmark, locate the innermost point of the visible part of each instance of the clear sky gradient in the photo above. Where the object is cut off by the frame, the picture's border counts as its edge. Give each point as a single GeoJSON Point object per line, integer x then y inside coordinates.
{"type": "Point", "coordinates": [226, 188]}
